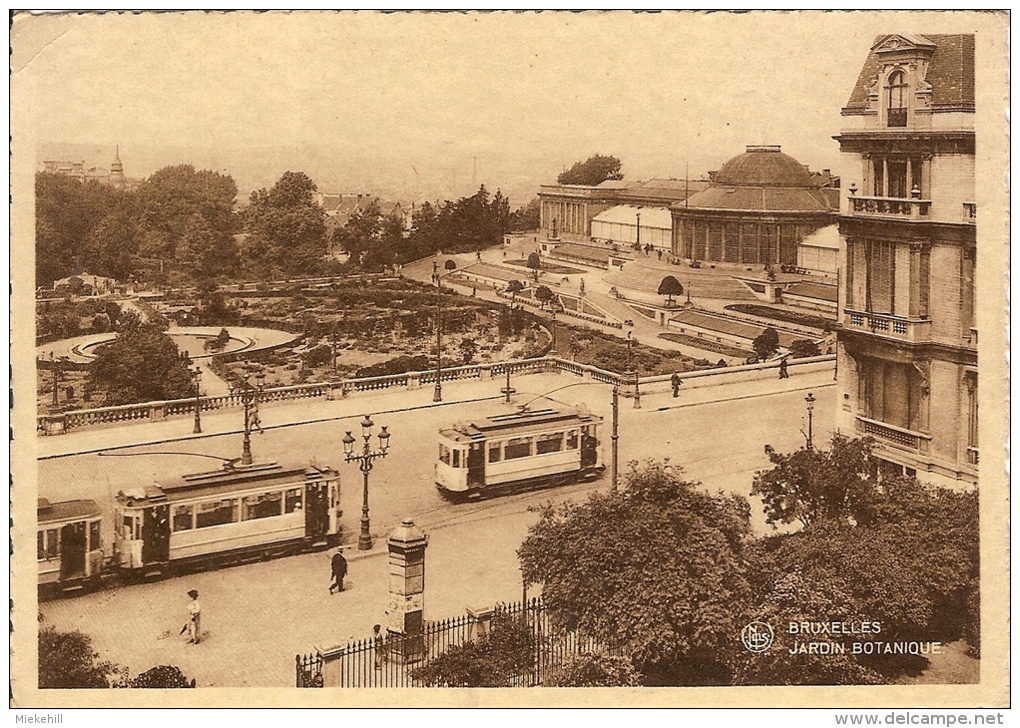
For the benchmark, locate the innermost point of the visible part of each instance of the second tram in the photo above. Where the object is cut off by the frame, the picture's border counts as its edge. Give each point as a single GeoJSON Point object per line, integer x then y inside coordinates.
{"type": "Point", "coordinates": [519, 451]}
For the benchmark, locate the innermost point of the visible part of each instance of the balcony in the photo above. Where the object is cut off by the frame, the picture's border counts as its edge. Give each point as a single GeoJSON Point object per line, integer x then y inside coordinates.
{"type": "Point", "coordinates": [970, 212]}
{"type": "Point", "coordinates": [893, 327]}
{"type": "Point", "coordinates": [894, 436]}
{"type": "Point", "coordinates": [972, 455]}
{"type": "Point", "coordinates": [897, 117]}
{"type": "Point", "coordinates": [898, 208]}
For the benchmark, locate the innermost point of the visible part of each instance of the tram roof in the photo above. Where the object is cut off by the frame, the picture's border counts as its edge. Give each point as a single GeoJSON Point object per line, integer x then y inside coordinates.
{"type": "Point", "coordinates": [527, 421]}
{"type": "Point", "coordinates": [66, 510]}
{"type": "Point", "coordinates": [227, 480]}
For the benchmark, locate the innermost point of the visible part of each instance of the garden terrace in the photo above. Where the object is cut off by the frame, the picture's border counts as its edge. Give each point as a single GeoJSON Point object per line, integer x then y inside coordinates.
{"type": "Point", "coordinates": [781, 314]}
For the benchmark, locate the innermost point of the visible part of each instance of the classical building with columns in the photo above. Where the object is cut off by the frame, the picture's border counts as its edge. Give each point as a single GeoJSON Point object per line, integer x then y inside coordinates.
{"type": "Point", "coordinates": [568, 210]}
{"type": "Point", "coordinates": [758, 208]}
{"type": "Point", "coordinates": [907, 338]}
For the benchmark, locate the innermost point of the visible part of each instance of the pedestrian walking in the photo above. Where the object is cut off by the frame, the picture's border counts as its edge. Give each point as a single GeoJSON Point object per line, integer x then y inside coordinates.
{"type": "Point", "coordinates": [675, 381]}
{"type": "Point", "coordinates": [783, 373]}
{"type": "Point", "coordinates": [339, 570]}
{"type": "Point", "coordinates": [194, 624]}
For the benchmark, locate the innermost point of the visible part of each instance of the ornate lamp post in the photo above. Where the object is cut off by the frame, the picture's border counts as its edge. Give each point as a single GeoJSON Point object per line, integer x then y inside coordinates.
{"type": "Point", "coordinates": [196, 376]}
{"type": "Point", "coordinates": [633, 375]}
{"type": "Point", "coordinates": [553, 351]}
{"type": "Point", "coordinates": [437, 394]}
{"type": "Point", "coordinates": [810, 399]}
{"type": "Point", "coordinates": [250, 399]}
{"type": "Point", "coordinates": [364, 460]}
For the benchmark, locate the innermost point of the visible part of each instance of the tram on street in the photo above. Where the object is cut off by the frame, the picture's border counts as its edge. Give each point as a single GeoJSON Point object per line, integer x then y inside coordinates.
{"type": "Point", "coordinates": [68, 545]}
{"type": "Point", "coordinates": [236, 514]}
{"type": "Point", "coordinates": [519, 451]}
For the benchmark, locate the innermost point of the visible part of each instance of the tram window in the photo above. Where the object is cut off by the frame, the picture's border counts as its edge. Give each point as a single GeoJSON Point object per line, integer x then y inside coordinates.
{"type": "Point", "coordinates": [444, 454]}
{"type": "Point", "coordinates": [40, 546]}
{"type": "Point", "coordinates": [216, 513]}
{"type": "Point", "coordinates": [94, 536]}
{"type": "Point", "coordinates": [264, 505]}
{"type": "Point", "coordinates": [494, 453]}
{"type": "Point", "coordinates": [517, 447]}
{"type": "Point", "coordinates": [548, 443]}
{"type": "Point", "coordinates": [456, 458]}
{"type": "Point", "coordinates": [182, 518]}
{"type": "Point", "coordinates": [572, 440]}
{"type": "Point", "coordinates": [293, 500]}
{"type": "Point", "coordinates": [52, 543]}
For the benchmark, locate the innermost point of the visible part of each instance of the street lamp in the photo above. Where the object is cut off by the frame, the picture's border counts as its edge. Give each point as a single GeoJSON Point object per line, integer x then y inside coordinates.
{"type": "Point", "coordinates": [364, 460]}
{"type": "Point", "coordinates": [250, 399]}
{"type": "Point", "coordinates": [810, 399]}
{"type": "Point", "coordinates": [196, 376]}
{"type": "Point", "coordinates": [633, 374]}
{"type": "Point", "coordinates": [553, 352]}
{"type": "Point", "coordinates": [450, 266]}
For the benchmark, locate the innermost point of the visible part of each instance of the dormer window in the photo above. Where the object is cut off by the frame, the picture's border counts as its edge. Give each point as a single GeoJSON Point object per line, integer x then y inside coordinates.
{"type": "Point", "coordinates": [896, 99]}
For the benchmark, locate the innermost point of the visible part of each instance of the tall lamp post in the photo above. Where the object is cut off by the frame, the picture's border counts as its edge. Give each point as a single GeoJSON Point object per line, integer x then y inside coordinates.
{"type": "Point", "coordinates": [450, 266]}
{"type": "Point", "coordinates": [197, 378]}
{"type": "Point", "coordinates": [632, 374]}
{"type": "Point", "coordinates": [250, 399]}
{"type": "Point", "coordinates": [810, 399]}
{"type": "Point", "coordinates": [616, 437]}
{"type": "Point", "coordinates": [364, 460]}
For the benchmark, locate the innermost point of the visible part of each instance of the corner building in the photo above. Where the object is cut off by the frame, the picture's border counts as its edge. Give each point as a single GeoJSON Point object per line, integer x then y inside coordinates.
{"type": "Point", "coordinates": [907, 337]}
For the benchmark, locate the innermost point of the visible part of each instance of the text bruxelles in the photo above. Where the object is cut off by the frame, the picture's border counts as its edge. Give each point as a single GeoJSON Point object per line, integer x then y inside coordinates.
{"type": "Point", "coordinates": [852, 627]}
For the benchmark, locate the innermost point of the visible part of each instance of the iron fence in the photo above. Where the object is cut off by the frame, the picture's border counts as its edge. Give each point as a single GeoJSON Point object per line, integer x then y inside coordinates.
{"type": "Point", "coordinates": [393, 661]}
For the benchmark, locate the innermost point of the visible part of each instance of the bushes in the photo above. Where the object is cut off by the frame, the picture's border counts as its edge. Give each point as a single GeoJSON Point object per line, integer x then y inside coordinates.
{"type": "Point", "coordinates": [162, 676]}
{"type": "Point", "coordinates": [397, 365]}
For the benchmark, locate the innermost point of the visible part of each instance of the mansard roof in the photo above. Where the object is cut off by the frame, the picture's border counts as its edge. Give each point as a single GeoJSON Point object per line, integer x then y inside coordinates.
{"type": "Point", "coordinates": [950, 72]}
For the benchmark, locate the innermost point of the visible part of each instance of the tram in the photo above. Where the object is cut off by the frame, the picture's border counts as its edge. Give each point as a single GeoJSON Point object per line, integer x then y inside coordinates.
{"type": "Point", "coordinates": [68, 545]}
{"type": "Point", "coordinates": [519, 451]}
{"type": "Point", "coordinates": [236, 514]}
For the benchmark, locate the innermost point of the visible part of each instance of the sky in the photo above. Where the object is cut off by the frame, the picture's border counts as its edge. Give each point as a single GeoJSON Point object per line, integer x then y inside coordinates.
{"type": "Point", "coordinates": [428, 106]}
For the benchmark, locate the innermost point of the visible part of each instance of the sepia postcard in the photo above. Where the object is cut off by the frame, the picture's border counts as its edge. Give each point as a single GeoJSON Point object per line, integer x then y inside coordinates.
{"type": "Point", "coordinates": [373, 359]}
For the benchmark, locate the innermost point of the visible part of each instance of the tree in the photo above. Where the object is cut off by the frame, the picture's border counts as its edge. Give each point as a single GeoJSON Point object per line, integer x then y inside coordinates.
{"type": "Point", "coordinates": [657, 568]}
{"type": "Point", "coordinates": [162, 676]}
{"type": "Point", "coordinates": [911, 569]}
{"type": "Point", "coordinates": [491, 661]}
{"type": "Point", "coordinates": [514, 287]}
{"type": "Point", "coordinates": [187, 216]}
{"type": "Point", "coordinates": [527, 217]}
{"type": "Point", "coordinates": [802, 348]}
{"type": "Point", "coordinates": [286, 228]}
{"type": "Point", "coordinates": [593, 670]}
{"type": "Point", "coordinates": [468, 349]}
{"type": "Point", "coordinates": [142, 364]}
{"type": "Point", "coordinates": [68, 660]}
{"type": "Point", "coordinates": [544, 295]}
{"type": "Point", "coordinates": [814, 485]}
{"type": "Point", "coordinates": [766, 343]}
{"type": "Point", "coordinates": [670, 287]}
{"type": "Point", "coordinates": [535, 263]}
{"type": "Point", "coordinates": [592, 171]}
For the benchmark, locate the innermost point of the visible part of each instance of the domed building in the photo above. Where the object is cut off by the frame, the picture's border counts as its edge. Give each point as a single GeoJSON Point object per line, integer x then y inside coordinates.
{"type": "Point", "coordinates": [758, 208]}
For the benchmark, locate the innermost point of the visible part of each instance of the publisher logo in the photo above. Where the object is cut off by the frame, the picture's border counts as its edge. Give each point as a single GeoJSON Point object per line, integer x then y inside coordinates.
{"type": "Point", "coordinates": [757, 636]}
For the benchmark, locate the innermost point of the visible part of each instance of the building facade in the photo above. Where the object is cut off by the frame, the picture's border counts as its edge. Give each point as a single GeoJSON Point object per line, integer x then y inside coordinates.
{"type": "Point", "coordinates": [114, 176]}
{"type": "Point", "coordinates": [758, 208]}
{"type": "Point", "coordinates": [907, 337]}
{"type": "Point", "coordinates": [567, 211]}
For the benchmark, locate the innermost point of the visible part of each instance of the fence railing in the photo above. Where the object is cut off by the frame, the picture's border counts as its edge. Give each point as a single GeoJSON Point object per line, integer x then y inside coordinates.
{"type": "Point", "coordinates": [396, 661]}
{"type": "Point", "coordinates": [58, 423]}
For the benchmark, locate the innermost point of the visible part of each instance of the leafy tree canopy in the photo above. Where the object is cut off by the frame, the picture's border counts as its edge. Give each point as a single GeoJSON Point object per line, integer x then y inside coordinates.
{"type": "Point", "coordinates": [142, 364]}
{"type": "Point", "coordinates": [766, 343]}
{"type": "Point", "coordinates": [814, 485]}
{"type": "Point", "coordinates": [491, 661]}
{"type": "Point", "coordinates": [595, 170]}
{"type": "Point", "coordinates": [669, 287]}
{"type": "Point", "coordinates": [658, 566]}
{"type": "Point", "coordinates": [286, 228]}
{"type": "Point", "coordinates": [593, 670]}
{"type": "Point", "coordinates": [68, 660]}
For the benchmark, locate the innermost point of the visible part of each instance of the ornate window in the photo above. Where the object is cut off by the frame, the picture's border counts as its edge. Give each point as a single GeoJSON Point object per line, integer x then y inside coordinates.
{"type": "Point", "coordinates": [896, 99]}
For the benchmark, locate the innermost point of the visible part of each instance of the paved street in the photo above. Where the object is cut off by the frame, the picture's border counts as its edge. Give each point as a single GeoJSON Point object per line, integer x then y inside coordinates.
{"type": "Point", "coordinates": [259, 616]}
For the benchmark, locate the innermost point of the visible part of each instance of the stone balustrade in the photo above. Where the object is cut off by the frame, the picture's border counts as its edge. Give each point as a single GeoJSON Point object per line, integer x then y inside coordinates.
{"type": "Point", "coordinates": [53, 424]}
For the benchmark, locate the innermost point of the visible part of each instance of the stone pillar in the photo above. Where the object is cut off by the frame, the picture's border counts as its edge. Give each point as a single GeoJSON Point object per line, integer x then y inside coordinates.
{"type": "Point", "coordinates": [485, 372]}
{"type": "Point", "coordinates": [157, 412]}
{"type": "Point", "coordinates": [481, 622]}
{"type": "Point", "coordinates": [414, 380]}
{"type": "Point", "coordinates": [404, 615]}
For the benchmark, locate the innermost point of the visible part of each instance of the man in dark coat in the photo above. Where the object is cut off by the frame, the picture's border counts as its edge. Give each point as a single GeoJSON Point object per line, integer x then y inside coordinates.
{"type": "Point", "coordinates": [676, 381]}
{"type": "Point", "coordinates": [339, 567]}
{"type": "Point", "coordinates": [783, 373]}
